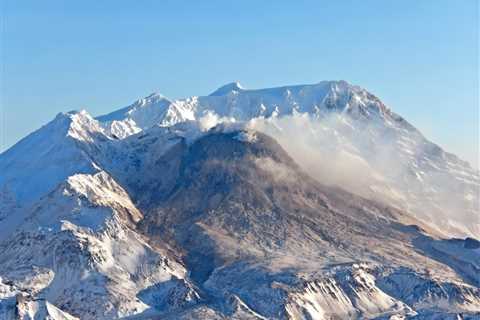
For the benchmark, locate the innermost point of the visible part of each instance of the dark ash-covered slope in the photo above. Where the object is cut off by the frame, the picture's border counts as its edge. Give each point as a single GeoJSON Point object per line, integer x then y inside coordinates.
{"type": "Point", "coordinates": [246, 217]}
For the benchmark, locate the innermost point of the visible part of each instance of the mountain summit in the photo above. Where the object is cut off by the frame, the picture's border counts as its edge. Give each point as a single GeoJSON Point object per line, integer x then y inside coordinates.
{"type": "Point", "coordinates": [297, 202]}
{"type": "Point", "coordinates": [228, 88]}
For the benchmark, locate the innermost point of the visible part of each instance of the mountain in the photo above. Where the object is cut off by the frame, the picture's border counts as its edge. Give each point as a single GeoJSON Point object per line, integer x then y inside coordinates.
{"type": "Point", "coordinates": [235, 206]}
{"type": "Point", "coordinates": [335, 127]}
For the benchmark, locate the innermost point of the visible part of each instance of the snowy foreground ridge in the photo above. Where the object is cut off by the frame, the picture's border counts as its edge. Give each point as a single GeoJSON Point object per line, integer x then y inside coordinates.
{"type": "Point", "coordinates": [299, 202]}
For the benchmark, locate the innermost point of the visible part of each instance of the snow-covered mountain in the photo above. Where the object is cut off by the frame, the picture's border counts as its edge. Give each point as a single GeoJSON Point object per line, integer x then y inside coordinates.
{"type": "Point", "coordinates": [350, 138]}
{"type": "Point", "coordinates": [186, 209]}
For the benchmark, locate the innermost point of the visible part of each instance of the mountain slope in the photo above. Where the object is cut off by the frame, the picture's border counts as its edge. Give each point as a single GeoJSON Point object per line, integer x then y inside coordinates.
{"type": "Point", "coordinates": [79, 244]}
{"type": "Point", "coordinates": [257, 228]}
{"type": "Point", "coordinates": [48, 155]}
{"type": "Point", "coordinates": [44, 159]}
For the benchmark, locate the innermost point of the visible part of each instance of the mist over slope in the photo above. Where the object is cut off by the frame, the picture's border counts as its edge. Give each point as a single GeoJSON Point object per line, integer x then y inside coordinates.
{"type": "Point", "coordinates": [300, 202]}
{"type": "Point", "coordinates": [399, 168]}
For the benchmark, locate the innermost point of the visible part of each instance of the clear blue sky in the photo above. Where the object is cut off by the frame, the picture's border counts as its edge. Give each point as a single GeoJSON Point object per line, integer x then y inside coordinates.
{"type": "Point", "coordinates": [419, 56]}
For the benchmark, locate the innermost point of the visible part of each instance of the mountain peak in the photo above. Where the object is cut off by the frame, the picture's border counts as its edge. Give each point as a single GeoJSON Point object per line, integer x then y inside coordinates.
{"type": "Point", "coordinates": [71, 114]}
{"type": "Point", "coordinates": [229, 87]}
{"type": "Point", "coordinates": [78, 124]}
{"type": "Point", "coordinates": [155, 94]}
{"type": "Point", "coordinates": [63, 121]}
{"type": "Point", "coordinates": [154, 97]}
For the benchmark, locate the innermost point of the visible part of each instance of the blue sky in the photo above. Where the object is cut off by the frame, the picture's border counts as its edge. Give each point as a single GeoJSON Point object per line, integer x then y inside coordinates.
{"type": "Point", "coordinates": [419, 56]}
